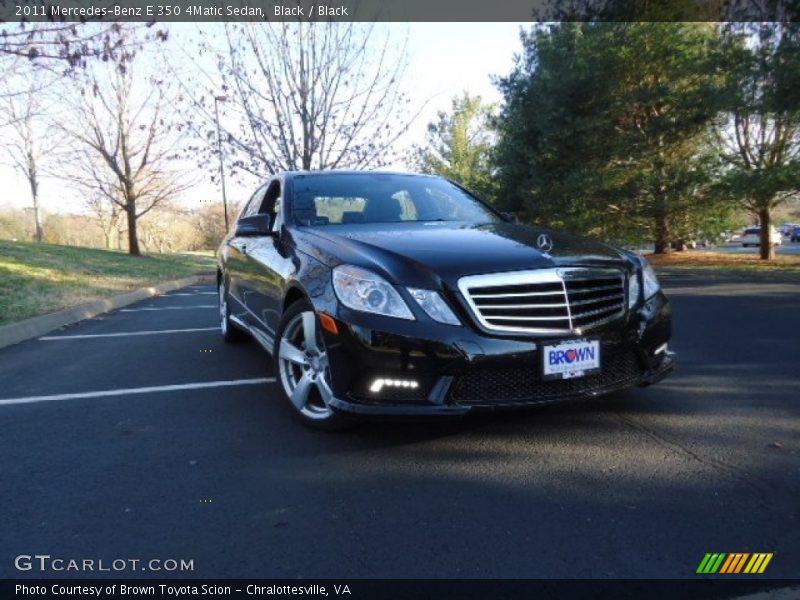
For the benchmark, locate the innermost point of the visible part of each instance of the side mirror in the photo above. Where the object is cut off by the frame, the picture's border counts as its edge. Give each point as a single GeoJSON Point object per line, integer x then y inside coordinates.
{"type": "Point", "coordinates": [255, 225]}
{"type": "Point", "coordinates": [510, 217]}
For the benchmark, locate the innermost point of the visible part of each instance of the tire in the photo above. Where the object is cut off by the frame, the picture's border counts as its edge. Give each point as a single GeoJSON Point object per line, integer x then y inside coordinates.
{"type": "Point", "coordinates": [230, 332]}
{"type": "Point", "coordinates": [303, 369]}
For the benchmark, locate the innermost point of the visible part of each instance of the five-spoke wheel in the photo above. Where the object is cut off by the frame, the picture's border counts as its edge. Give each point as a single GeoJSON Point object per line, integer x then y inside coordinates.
{"type": "Point", "coordinates": [303, 367]}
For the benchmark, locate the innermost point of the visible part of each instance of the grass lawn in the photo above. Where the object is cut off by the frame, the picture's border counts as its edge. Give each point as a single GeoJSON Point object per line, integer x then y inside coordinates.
{"type": "Point", "coordinates": [40, 278]}
{"type": "Point", "coordinates": [722, 260]}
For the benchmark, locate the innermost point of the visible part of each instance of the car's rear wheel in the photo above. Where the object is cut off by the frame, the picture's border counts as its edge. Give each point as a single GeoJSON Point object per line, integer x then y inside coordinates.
{"type": "Point", "coordinates": [302, 364]}
{"type": "Point", "coordinates": [230, 333]}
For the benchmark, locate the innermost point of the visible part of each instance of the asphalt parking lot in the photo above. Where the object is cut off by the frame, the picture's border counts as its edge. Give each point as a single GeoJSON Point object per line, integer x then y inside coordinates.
{"type": "Point", "coordinates": [173, 445]}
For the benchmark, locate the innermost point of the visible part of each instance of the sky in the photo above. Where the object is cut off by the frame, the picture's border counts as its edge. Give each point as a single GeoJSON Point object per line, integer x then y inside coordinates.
{"type": "Point", "coordinates": [444, 59]}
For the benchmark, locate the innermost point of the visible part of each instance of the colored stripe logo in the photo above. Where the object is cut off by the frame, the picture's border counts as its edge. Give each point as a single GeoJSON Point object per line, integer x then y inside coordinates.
{"type": "Point", "coordinates": [734, 563]}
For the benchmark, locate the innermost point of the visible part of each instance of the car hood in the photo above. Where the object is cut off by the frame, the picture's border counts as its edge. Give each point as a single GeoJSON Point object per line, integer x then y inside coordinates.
{"type": "Point", "coordinates": [431, 253]}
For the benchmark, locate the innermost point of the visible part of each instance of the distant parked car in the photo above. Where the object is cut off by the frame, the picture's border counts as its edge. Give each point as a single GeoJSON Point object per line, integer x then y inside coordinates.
{"type": "Point", "coordinates": [787, 228]}
{"type": "Point", "coordinates": [794, 236]}
{"type": "Point", "coordinates": [752, 237]}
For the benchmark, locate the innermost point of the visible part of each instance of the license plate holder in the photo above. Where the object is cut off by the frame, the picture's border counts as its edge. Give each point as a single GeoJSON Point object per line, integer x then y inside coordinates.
{"type": "Point", "coordinates": [570, 359]}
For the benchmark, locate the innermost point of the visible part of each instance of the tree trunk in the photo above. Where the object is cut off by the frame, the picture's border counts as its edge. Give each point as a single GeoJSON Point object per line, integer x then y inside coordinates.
{"type": "Point", "coordinates": [37, 218]}
{"type": "Point", "coordinates": [662, 242]}
{"type": "Point", "coordinates": [766, 249]}
{"type": "Point", "coordinates": [133, 240]}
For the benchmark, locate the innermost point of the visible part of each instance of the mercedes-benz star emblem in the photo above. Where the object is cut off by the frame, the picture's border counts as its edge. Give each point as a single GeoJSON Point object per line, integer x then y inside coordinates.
{"type": "Point", "coordinates": [544, 243]}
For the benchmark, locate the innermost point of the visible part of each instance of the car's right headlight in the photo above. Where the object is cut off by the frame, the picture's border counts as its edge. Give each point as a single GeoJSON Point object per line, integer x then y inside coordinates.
{"type": "Point", "coordinates": [366, 291]}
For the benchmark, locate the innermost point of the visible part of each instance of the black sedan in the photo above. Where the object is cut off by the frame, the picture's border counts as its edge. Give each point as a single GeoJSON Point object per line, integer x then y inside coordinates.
{"type": "Point", "coordinates": [399, 294]}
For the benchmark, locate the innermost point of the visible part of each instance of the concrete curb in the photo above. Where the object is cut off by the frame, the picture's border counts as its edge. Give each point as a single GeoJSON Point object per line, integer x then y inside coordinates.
{"type": "Point", "coordinates": [15, 333]}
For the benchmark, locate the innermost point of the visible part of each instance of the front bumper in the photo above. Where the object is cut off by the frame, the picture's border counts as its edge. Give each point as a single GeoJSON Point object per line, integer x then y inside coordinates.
{"type": "Point", "coordinates": [456, 370]}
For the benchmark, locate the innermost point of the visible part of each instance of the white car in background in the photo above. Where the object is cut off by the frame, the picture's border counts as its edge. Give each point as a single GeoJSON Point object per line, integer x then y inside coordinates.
{"type": "Point", "coordinates": [752, 237]}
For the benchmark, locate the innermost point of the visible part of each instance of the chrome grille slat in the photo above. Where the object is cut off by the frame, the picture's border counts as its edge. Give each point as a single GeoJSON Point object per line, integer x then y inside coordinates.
{"type": "Point", "coordinates": [599, 322]}
{"type": "Point", "coordinates": [504, 318]}
{"type": "Point", "coordinates": [519, 295]}
{"type": "Point", "coordinates": [594, 289]}
{"type": "Point", "coordinates": [583, 295]}
{"type": "Point", "coordinates": [498, 306]}
{"type": "Point", "coordinates": [593, 300]}
{"type": "Point", "coordinates": [599, 311]}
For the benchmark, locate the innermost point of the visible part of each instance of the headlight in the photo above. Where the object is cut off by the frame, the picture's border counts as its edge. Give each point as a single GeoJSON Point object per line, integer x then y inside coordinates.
{"type": "Point", "coordinates": [433, 304]}
{"type": "Point", "coordinates": [651, 285]}
{"type": "Point", "coordinates": [634, 289]}
{"type": "Point", "coordinates": [363, 290]}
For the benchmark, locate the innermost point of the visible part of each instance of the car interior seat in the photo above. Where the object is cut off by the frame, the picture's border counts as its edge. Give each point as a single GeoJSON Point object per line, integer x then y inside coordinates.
{"type": "Point", "coordinates": [383, 210]}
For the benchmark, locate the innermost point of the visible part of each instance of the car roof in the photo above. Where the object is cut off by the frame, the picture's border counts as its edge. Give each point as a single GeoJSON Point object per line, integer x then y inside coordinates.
{"type": "Point", "coordinates": [291, 174]}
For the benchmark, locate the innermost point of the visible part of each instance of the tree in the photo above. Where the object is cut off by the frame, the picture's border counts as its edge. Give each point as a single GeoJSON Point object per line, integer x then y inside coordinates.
{"type": "Point", "coordinates": [302, 96]}
{"type": "Point", "coordinates": [65, 45]}
{"type": "Point", "coordinates": [108, 216]}
{"type": "Point", "coordinates": [124, 143]}
{"type": "Point", "coordinates": [208, 221]}
{"type": "Point", "coordinates": [459, 145]}
{"type": "Point", "coordinates": [30, 140]}
{"type": "Point", "coordinates": [761, 139]}
{"type": "Point", "coordinates": [604, 128]}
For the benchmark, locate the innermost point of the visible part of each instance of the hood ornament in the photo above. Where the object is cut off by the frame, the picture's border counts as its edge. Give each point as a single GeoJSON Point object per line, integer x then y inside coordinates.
{"type": "Point", "coordinates": [544, 242]}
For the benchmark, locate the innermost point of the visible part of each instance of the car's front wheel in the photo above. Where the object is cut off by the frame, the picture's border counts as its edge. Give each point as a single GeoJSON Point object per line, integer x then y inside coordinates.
{"type": "Point", "coordinates": [303, 366]}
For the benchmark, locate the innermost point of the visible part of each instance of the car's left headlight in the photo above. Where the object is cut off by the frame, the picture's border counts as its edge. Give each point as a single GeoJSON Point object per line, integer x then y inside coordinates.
{"type": "Point", "coordinates": [634, 289]}
{"type": "Point", "coordinates": [434, 305]}
{"type": "Point", "coordinates": [366, 291]}
{"type": "Point", "coordinates": [647, 288]}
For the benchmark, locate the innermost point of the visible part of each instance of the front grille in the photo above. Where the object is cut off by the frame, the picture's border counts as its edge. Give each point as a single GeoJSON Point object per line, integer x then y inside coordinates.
{"type": "Point", "coordinates": [507, 387]}
{"type": "Point", "coordinates": [563, 300]}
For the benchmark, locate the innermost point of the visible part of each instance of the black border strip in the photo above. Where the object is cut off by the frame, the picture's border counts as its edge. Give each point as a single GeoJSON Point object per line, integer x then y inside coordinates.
{"type": "Point", "coordinates": [398, 10]}
{"type": "Point", "coordinates": [408, 589]}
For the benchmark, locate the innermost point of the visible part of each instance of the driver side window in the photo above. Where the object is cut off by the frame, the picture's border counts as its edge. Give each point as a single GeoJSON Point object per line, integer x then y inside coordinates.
{"type": "Point", "coordinates": [254, 204]}
{"type": "Point", "coordinates": [271, 203]}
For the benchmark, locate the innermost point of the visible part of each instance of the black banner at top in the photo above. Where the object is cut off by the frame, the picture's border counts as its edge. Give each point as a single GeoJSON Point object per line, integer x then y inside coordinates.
{"type": "Point", "coordinates": [398, 10]}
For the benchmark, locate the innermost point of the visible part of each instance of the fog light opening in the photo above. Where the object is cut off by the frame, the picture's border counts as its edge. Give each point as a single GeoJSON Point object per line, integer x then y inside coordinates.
{"type": "Point", "coordinates": [380, 383]}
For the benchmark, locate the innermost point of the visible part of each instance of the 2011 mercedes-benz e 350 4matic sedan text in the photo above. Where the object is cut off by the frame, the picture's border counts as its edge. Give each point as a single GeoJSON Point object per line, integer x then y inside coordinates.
{"type": "Point", "coordinates": [400, 294]}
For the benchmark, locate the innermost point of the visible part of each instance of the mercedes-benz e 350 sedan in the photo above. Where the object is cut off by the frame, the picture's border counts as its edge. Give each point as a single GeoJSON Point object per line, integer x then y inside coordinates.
{"type": "Point", "coordinates": [399, 294]}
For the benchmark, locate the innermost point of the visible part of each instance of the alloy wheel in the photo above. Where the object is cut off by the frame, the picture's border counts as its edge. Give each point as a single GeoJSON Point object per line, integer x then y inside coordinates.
{"type": "Point", "coordinates": [304, 368]}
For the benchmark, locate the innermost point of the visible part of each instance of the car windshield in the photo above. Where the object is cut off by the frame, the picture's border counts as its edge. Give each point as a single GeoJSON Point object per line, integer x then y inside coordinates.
{"type": "Point", "coordinates": [355, 198]}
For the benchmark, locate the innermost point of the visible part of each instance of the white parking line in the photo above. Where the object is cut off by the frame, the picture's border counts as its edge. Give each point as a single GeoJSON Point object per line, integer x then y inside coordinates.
{"type": "Point", "coordinates": [141, 390]}
{"type": "Point", "coordinates": [169, 308]}
{"type": "Point", "coordinates": [51, 338]}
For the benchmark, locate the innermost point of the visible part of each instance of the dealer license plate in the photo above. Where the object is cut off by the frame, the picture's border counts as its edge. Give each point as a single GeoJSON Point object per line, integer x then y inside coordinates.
{"type": "Point", "coordinates": [575, 358]}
